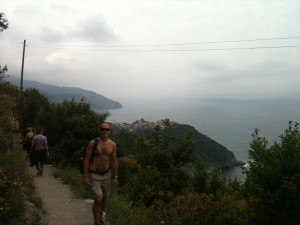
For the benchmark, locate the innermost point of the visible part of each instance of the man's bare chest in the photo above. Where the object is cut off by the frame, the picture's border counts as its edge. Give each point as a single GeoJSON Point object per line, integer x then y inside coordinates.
{"type": "Point", "coordinates": [104, 149]}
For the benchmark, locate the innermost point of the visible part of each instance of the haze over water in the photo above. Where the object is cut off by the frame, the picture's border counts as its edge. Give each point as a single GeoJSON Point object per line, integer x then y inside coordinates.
{"type": "Point", "coordinates": [230, 122]}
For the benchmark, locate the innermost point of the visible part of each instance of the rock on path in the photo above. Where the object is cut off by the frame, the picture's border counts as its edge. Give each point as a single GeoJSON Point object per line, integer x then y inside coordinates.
{"type": "Point", "coordinates": [61, 205]}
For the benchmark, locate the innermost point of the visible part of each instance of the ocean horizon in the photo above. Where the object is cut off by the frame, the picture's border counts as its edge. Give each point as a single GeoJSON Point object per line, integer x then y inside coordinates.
{"type": "Point", "coordinates": [230, 122]}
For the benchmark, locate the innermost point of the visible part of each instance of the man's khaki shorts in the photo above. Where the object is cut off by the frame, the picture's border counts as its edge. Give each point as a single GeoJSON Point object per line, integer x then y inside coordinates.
{"type": "Point", "coordinates": [101, 184]}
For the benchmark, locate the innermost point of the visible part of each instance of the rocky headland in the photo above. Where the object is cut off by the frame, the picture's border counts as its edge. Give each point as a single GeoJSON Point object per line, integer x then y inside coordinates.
{"type": "Point", "coordinates": [215, 154]}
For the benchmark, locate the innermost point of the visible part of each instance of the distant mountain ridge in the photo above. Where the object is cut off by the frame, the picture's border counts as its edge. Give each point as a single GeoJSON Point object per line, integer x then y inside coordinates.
{"type": "Point", "coordinates": [56, 94]}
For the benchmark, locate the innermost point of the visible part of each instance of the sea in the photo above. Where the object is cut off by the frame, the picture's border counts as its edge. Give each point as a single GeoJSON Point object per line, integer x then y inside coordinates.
{"type": "Point", "coordinates": [230, 122]}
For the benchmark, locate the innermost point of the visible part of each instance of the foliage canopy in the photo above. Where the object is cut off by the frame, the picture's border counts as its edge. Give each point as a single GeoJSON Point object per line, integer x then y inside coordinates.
{"type": "Point", "coordinates": [3, 22]}
{"type": "Point", "coordinates": [273, 180]}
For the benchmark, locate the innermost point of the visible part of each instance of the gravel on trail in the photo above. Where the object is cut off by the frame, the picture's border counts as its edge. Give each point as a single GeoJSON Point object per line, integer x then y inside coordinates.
{"type": "Point", "coordinates": [60, 203]}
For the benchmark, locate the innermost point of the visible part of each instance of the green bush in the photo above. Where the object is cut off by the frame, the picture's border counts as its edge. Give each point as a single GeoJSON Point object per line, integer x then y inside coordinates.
{"type": "Point", "coordinates": [5, 134]}
{"type": "Point", "coordinates": [120, 212]}
{"type": "Point", "coordinates": [273, 179]}
{"type": "Point", "coordinates": [15, 187]}
{"type": "Point", "coordinates": [201, 209]}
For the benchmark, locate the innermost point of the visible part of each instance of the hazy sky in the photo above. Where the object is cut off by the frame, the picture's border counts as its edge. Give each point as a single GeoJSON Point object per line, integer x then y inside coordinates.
{"type": "Point", "coordinates": [160, 48]}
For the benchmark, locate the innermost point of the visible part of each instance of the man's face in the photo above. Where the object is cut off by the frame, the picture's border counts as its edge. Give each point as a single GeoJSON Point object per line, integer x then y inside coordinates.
{"type": "Point", "coordinates": [104, 130]}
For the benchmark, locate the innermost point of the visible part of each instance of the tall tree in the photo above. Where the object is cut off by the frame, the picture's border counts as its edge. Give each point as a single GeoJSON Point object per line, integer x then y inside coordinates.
{"type": "Point", "coordinates": [2, 72]}
{"type": "Point", "coordinates": [163, 159]}
{"type": "Point", "coordinates": [70, 126]}
{"type": "Point", "coordinates": [7, 101]}
{"type": "Point", "coordinates": [273, 180]}
{"type": "Point", "coordinates": [3, 22]}
{"type": "Point", "coordinates": [3, 26]}
{"type": "Point", "coordinates": [34, 104]}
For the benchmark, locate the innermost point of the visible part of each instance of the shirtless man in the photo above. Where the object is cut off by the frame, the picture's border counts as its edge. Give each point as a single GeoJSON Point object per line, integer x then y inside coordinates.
{"type": "Point", "coordinates": [100, 173]}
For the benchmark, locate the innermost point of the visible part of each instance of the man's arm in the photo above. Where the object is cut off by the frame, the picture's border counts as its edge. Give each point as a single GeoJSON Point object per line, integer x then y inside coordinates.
{"type": "Point", "coordinates": [46, 146]}
{"type": "Point", "coordinates": [86, 162]}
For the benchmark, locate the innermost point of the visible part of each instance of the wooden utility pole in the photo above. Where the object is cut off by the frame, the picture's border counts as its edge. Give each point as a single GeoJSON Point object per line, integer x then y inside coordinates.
{"type": "Point", "coordinates": [22, 70]}
{"type": "Point", "coordinates": [21, 88]}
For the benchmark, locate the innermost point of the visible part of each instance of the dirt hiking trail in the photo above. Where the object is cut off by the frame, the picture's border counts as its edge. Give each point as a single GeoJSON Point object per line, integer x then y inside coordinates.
{"type": "Point", "coordinates": [61, 205]}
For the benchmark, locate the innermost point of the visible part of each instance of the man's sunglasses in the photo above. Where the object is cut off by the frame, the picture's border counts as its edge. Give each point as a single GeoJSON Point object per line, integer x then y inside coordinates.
{"type": "Point", "coordinates": [104, 129]}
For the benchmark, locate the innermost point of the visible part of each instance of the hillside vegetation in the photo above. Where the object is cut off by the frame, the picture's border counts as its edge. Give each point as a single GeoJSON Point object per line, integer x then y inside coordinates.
{"type": "Point", "coordinates": [216, 155]}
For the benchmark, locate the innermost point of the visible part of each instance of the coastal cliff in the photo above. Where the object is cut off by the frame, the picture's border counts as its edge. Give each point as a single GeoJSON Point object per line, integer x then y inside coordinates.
{"type": "Point", "coordinates": [214, 153]}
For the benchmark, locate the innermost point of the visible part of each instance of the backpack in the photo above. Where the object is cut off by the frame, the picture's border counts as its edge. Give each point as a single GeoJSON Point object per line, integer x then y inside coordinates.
{"type": "Point", "coordinates": [27, 143]}
{"type": "Point", "coordinates": [92, 156]}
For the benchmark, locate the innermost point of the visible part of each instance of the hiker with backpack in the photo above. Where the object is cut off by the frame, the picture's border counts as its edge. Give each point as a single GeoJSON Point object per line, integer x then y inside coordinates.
{"type": "Point", "coordinates": [41, 151]}
{"type": "Point", "coordinates": [28, 137]}
{"type": "Point", "coordinates": [98, 173]}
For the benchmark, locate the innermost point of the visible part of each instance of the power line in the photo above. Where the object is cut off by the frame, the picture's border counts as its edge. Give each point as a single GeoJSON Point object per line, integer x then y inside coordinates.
{"type": "Point", "coordinates": [6, 48]}
{"type": "Point", "coordinates": [173, 44]}
{"type": "Point", "coordinates": [173, 50]}
{"type": "Point", "coordinates": [94, 47]}
{"type": "Point", "coordinates": [9, 46]}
